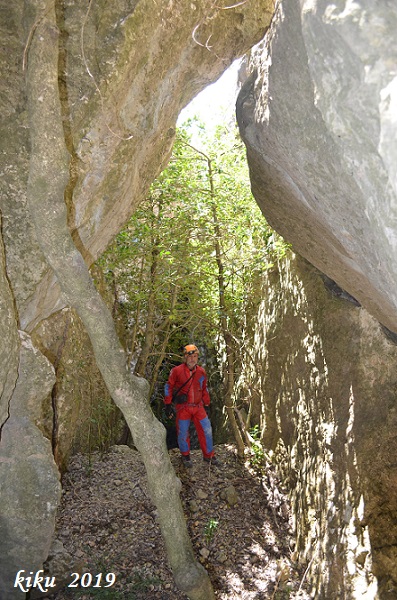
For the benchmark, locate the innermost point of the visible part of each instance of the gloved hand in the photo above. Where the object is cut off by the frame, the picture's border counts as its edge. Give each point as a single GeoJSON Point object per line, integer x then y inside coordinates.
{"type": "Point", "coordinates": [169, 411]}
{"type": "Point", "coordinates": [207, 410]}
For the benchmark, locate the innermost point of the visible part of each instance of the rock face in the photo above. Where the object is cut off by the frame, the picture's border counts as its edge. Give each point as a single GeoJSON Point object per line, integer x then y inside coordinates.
{"type": "Point", "coordinates": [318, 117]}
{"type": "Point", "coordinates": [30, 488]}
{"type": "Point", "coordinates": [327, 375]}
{"type": "Point", "coordinates": [126, 69]}
{"type": "Point", "coordinates": [9, 353]}
{"type": "Point", "coordinates": [79, 414]}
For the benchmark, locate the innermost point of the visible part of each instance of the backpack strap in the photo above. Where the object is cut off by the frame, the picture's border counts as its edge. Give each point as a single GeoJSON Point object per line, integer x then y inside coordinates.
{"type": "Point", "coordinates": [175, 393]}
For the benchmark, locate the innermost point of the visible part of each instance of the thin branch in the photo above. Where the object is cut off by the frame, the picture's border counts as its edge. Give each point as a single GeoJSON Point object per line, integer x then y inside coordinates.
{"type": "Point", "coordinates": [305, 573]}
{"type": "Point", "coordinates": [276, 587]}
{"type": "Point", "coordinates": [232, 6]}
{"type": "Point", "coordinates": [199, 43]}
{"type": "Point", "coordinates": [216, 7]}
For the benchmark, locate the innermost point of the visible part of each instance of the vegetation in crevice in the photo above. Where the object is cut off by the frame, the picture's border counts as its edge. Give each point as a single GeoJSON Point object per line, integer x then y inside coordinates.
{"type": "Point", "coordinates": [185, 267]}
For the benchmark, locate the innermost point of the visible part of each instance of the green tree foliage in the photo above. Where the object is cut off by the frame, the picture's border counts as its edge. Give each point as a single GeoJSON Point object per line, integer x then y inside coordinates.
{"type": "Point", "coordinates": [184, 267]}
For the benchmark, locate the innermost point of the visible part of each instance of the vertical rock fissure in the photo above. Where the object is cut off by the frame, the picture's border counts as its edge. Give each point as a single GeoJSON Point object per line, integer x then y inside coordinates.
{"type": "Point", "coordinates": [55, 391]}
{"type": "Point", "coordinates": [9, 386]}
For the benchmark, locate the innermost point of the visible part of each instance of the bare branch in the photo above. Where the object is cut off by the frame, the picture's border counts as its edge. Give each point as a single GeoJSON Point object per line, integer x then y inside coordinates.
{"type": "Point", "coordinates": [232, 6]}
{"type": "Point", "coordinates": [199, 43]}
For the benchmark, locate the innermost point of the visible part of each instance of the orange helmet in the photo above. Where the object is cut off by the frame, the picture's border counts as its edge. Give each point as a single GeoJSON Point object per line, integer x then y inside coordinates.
{"type": "Point", "coordinates": [190, 349]}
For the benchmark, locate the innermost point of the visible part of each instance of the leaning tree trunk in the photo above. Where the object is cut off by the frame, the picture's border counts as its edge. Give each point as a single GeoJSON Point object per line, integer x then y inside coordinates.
{"type": "Point", "coordinates": [48, 177]}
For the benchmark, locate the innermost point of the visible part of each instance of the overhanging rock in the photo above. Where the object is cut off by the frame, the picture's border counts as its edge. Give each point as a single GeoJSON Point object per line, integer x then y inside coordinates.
{"type": "Point", "coordinates": [126, 70]}
{"type": "Point", "coordinates": [318, 116]}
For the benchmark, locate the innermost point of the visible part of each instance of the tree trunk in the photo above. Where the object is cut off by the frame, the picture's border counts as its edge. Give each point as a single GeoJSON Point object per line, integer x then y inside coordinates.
{"type": "Point", "coordinates": [149, 338]}
{"type": "Point", "coordinates": [131, 341]}
{"type": "Point", "coordinates": [166, 332]}
{"type": "Point", "coordinates": [48, 177]}
{"type": "Point", "coordinates": [229, 379]}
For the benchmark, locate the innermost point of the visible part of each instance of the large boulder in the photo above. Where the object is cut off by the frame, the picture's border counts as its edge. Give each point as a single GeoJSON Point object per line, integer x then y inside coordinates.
{"type": "Point", "coordinates": [79, 414]}
{"type": "Point", "coordinates": [317, 114]}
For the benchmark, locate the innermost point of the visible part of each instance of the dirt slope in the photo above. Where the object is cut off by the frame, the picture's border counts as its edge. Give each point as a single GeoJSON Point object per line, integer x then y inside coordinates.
{"type": "Point", "coordinates": [238, 521]}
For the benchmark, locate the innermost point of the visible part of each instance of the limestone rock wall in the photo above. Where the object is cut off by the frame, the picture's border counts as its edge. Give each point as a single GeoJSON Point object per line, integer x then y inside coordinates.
{"type": "Point", "coordinates": [327, 376]}
{"type": "Point", "coordinates": [126, 69]}
{"type": "Point", "coordinates": [29, 479]}
{"type": "Point", "coordinates": [9, 352]}
{"type": "Point", "coordinates": [79, 414]}
{"type": "Point", "coordinates": [318, 115]}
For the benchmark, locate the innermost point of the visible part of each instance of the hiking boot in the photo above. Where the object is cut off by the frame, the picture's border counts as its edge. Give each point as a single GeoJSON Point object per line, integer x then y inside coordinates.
{"type": "Point", "coordinates": [186, 461]}
{"type": "Point", "coordinates": [212, 461]}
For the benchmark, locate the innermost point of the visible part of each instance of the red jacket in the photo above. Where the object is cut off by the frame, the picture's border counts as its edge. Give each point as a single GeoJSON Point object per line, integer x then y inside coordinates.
{"type": "Point", "coordinates": [196, 388]}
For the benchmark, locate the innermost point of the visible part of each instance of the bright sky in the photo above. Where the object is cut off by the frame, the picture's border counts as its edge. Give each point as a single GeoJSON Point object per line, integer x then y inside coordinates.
{"type": "Point", "coordinates": [216, 103]}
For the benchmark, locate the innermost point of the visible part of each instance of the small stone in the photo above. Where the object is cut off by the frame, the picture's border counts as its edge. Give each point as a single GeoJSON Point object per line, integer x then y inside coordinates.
{"type": "Point", "coordinates": [231, 495]}
{"type": "Point", "coordinates": [361, 558]}
{"type": "Point", "coordinates": [222, 557]}
{"type": "Point", "coordinates": [284, 571]}
{"type": "Point", "coordinates": [194, 507]}
{"type": "Point", "coordinates": [118, 482]}
{"type": "Point", "coordinates": [201, 494]}
{"type": "Point", "coordinates": [205, 553]}
{"type": "Point", "coordinates": [285, 512]}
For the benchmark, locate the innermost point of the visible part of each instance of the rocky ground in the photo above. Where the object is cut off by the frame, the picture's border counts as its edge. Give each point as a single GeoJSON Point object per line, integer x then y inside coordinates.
{"type": "Point", "coordinates": [237, 517]}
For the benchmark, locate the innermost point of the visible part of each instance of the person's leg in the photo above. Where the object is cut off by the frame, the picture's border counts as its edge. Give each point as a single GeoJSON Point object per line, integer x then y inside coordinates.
{"type": "Point", "coordinates": [182, 429]}
{"type": "Point", "coordinates": [204, 431]}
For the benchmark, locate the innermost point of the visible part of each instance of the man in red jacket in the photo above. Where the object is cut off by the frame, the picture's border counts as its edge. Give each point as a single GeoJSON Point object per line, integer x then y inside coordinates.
{"type": "Point", "coordinates": [187, 388]}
